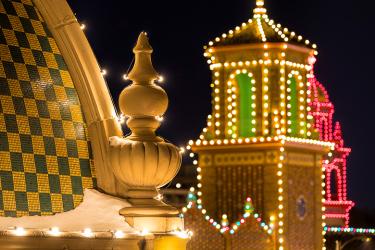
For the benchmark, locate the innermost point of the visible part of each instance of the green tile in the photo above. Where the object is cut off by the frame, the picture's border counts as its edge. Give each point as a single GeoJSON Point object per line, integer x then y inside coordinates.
{"type": "Point", "coordinates": [9, 8]}
{"type": "Point", "coordinates": [22, 39]}
{"type": "Point", "coordinates": [42, 107]}
{"type": "Point", "coordinates": [63, 164]}
{"type": "Point", "coordinates": [85, 167]}
{"type": "Point", "coordinates": [60, 61]}
{"type": "Point", "coordinates": [26, 144]}
{"type": "Point", "coordinates": [16, 54]}
{"type": "Point", "coordinates": [32, 70]}
{"type": "Point", "coordinates": [16, 161]}
{"type": "Point", "coordinates": [35, 127]}
{"type": "Point", "coordinates": [31, 12]}
{"type": "Point", "coordinates": [65, 112]}
{"type": "Point", "coordinates": [6, 178]}
{"type": "Point", "coordinates": [77, 185]}
{"type": "Point", "coordinates": [54, 184]}
{"type": "Point", "coordinates": [2, 37]}
{"type": "Point", "coordinates": [1, 201]}
{"type": "Point", "coordinates": [39, 58]}
{"type": "Point", "coordinates": [56, 76]}
{"type": "Point", "coordinates": [27, 26]}
{"type": "Point", "coordinates": [21, 201]}
{"type": "Point", "coordinates": [45, 27]}
{"type": "Point", "coordinates": [71, 146]}
{"type": "Point", "coordinates": [44, 43]}
{"type": "Point", "coordinates": [31, 182]}
{"type": "Point", "coordinates": [10, 70]}
{"type": "Point", "coordinates": [45, 202]}
{"type": "Point", "coordinates": [4, 22]}
{"type": "Point", "coordinates": [72, 95]}
{"type": "Point", "coordinates": [10, 213]}
{"type": "Point", "coordinates": [49, 145]}
{"type": "Point", "coordinates": [11, 123]}
{"type": "Point", "coordinates": [40, 164]}
{"type": "Point", "coordinates": [26, 89]}
{"type": "Point", "coordinates": [4, 144]}
{"type": "Point", "coordinates": [67, 202]}
{"type": "Point", "coordinates": [19, 105]}
{"type": "Point", "coordinates": [58, 129]}
{"type": "Point", "coordinates": [49, 92]}
{"type": "Point", "coordinates": [4, 87]}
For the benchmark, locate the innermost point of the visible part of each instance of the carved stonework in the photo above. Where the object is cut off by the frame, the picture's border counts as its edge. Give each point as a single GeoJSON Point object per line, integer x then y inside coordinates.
{"type": "Point", "coordinates": [300, 159]}
{"type": "Point", "coordinates": [239, 159]}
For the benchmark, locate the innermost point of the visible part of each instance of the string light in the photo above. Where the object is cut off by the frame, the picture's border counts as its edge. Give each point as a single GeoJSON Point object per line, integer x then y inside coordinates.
{"type": "Point", "coordinates": [54, 231]}
{"type": "Point", "coordinates": [119, 234]}
{"type": "Point", "coordinates": [19, 231]}
{"type": "Point", "coordinates": [160, 79]}
{"type": "Point", "coordinates": [83, 26]}
{"type": "Point", "coordinates": [87, 232]}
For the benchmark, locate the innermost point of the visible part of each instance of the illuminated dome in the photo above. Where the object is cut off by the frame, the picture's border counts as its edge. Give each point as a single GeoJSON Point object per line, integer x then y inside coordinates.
{"type": "Point", "coordinates": [46, 159]}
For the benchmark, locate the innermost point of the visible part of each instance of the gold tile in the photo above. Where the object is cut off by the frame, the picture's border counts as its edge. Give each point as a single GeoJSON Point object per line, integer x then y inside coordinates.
{"type": "Point", "coordinates": [38, 28]}
{"type": "Point", "coordinates": [38, 145]}
{"type": "Point", "coordinates": [29, 162]}
{"type": "Point", "coordinates": [10, 198]}
{"type": "Point", "coordinates": [16, 23]}
{"type": "Point", "coordinates": [52, 165]}
{"type": "Point", "coordinates": [61, 147]}
{"type": "Point", "coordinates": [14, 142]}
{"type": "Point", "coordinates": [7, 104]}
{"type": "Point", "coordinates": [5, 54]}
{"type": "Point", "coordinates": [22, 73]}
{"type": "Point", "coordinates": [46, 127]}
{"type": "Point", "coordinates": [34, 202]}
{"type": "Point", "coordinates": [23, 124]}
{"type": "Point", "coordinates": [19, 181]}
{"type": "Point", "coordinates": [43, 183]}
{"type": "Point", "coordinates": [31, 109]}
{"type": "Point", "coordinates": [10, 37]}
{"type": "Point", "coordinates": [20, 9]}
{"type": "Point", "coordinates": [5, 163]}
{"type": "Point", "coordinates": [15, 88]}
{"type": "Point", "coordinates": [28, 57]}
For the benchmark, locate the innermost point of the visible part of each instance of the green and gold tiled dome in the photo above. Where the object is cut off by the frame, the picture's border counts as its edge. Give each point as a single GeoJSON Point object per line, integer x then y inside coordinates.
{"type": "Point", "coordinates": [45, 155]}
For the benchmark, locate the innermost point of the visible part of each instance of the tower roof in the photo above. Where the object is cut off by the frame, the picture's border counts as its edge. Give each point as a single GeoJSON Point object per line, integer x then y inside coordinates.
{"type": "Point", "coordinates": [260, 29]}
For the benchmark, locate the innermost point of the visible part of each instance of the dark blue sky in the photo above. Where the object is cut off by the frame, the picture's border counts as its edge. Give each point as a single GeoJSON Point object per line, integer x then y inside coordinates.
{"type": "Point", "coordinates": [343, 30]}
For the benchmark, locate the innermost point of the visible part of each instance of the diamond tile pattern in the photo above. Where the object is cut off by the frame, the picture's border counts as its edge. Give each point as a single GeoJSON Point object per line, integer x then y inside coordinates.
{"type": "Point", "coordinates": [45, 155]}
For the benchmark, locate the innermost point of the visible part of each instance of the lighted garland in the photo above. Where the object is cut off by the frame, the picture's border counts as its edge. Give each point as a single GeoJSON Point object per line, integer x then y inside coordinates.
{"type": "Point", "coordinates": [350, 230]}
{"type": "Point", "coordinates": [222, 227]}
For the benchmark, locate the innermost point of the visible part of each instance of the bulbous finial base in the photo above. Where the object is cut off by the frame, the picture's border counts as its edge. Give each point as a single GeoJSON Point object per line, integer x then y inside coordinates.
{"type": "Point", "coordinates": [143, 161]}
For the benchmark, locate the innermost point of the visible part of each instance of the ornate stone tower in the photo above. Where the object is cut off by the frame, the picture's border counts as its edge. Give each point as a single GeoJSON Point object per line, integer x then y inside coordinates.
{"type": "Point", "coordinates": [337, 203]}
{"type": "Point", "coordinates": [260, 141]}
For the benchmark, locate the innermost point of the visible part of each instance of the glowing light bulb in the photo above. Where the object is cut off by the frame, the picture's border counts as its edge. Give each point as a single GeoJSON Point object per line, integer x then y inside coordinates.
{"type": "Point", "coordinates": [87, 232]}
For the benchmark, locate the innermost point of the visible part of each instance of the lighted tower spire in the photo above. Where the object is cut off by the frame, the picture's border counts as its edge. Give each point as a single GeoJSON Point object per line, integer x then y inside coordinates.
{"type": "Point", "coordinates": [259, 9]}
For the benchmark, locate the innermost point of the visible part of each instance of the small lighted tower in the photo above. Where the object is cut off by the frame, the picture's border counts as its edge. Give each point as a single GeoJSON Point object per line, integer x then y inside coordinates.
{"type": "Point", "coordinates": [337, 205]}
{"type": "Point", "coordinates": [260, 141]}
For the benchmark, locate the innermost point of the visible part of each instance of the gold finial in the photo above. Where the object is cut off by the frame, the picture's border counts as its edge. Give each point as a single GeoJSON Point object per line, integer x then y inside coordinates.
{"type": "Point", "coordinates": [259, 9]}
{"type": "Point", "coordinates": [144, 162]}
{"type": "Point", "coordinates": [143, 101]}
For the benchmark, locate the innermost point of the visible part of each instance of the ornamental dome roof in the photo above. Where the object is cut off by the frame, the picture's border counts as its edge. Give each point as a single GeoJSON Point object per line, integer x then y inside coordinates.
{"type": "Point", "coordinates": [260, 29]}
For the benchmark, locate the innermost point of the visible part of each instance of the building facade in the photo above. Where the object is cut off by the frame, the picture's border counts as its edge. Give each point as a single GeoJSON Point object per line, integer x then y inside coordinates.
{"type": "Point", "coordinates": [263, 144]}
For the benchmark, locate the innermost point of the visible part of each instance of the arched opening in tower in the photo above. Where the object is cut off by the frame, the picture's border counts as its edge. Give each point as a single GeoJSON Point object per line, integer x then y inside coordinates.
{"type": "Point", "coordinates": [246, 110]}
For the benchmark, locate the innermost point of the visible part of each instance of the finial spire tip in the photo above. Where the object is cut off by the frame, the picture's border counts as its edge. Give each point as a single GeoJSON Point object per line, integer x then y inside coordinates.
{"type": "Point", "coordinates": [259, 9]}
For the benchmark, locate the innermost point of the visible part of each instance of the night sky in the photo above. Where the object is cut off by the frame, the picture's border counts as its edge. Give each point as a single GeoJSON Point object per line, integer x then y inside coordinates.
{"type": "Point", "coordinates": [178, 30]}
